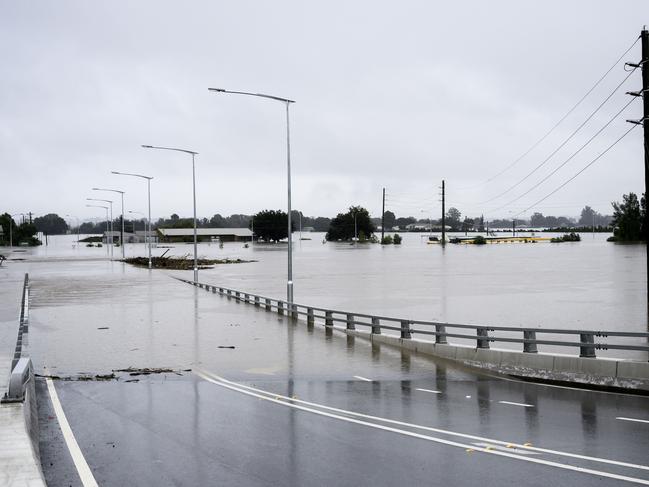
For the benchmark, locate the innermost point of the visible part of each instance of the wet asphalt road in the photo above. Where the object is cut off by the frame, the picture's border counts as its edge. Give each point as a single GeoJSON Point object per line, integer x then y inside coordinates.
{"type": "Point", "coordinates": [291, 404]}
{"type": "Point", "coordinates": [201, 428]}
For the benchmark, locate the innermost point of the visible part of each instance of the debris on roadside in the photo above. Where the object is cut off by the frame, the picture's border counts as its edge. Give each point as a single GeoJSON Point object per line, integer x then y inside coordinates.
{"type": "Point", "coordinates": [180, 263]}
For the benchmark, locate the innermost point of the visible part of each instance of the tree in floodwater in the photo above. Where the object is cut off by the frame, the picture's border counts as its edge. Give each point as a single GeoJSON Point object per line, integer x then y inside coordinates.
{"type": "Point", "coordinates": [628, 218]}
{"type": "Point", "coordinates": [356, 222]}
{"type": "Point", "coordinates": [270, 225]}
{"type": "Point", "coordinates": [51, 224]}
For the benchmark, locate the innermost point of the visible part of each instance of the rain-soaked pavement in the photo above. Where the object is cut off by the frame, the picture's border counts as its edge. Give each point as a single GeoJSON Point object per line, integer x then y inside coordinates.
{"type": "Point", "coordinates": [290, 404]}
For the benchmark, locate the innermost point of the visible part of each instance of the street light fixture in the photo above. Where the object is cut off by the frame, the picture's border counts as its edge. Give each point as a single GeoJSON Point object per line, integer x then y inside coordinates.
{"type": "Point", "coordinates": [105, 208]}
{"type": "Point", "coordinates": [193, 154]}
{"type": "Point", "coordinates": [147, 236]}
{"type": "Point", "coordinates": [121, 237]}
{"type": "Point", "coordinates": [287, 102]}
{"type": "Point", "coordinates": [111, 222]}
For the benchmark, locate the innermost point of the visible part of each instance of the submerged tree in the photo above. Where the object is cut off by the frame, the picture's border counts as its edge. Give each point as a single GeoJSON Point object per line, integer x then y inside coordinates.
{"type": "Point", "coordinates": [356, 222]}
{"type": "Point", "coordinates": [270, 225]}
{"type": "Point", "coordinates": [628, 218]}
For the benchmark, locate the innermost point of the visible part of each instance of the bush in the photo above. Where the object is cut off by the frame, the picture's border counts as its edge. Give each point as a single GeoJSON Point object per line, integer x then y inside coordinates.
{"type": "Point", "coordinates": [396, 239]}
{"type": "Point", "coordinates": [568, 237]}
{"type": "Point", "coordinates": [387, 240]}
{"type": "Point", "coordinates": [479, 240]}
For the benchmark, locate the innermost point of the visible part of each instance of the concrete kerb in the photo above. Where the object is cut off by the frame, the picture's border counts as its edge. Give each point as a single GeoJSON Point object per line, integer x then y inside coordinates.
{"type": "Point", "coordinates": [19, 417]}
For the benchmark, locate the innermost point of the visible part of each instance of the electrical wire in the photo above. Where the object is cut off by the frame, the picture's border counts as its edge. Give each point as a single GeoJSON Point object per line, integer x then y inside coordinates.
{"type": "Point", "coordinates": [574, 132]}
{"type": "Point", "coordinates": [574, 107]}
{"type": "Point", "coordinates": [569, 158]}
{"type": "Point", "coordinates": [578, 172]}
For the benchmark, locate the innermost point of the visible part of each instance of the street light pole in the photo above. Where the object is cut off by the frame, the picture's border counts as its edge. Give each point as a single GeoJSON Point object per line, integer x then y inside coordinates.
{"type": "Point", "coordinates": [287, 102]}
{"type": "Point", "coordinates": [147, 235]}
{"type": "Point", "coordinates": [193, 154]}
{"type": "Point", "coordinates": [105, 208]}
{"type": "Point", "coordinates": [121, 237]}
{"type": "Point", "coordinates": [110, 202]}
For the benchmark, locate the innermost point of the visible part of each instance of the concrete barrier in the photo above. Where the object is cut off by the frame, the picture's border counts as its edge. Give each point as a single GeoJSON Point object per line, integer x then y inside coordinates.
{"type": "Point", "coordinates": [600, 372]}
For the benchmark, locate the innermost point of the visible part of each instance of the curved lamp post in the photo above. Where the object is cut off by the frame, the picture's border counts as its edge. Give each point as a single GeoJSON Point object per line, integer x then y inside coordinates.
{"type": "Point", "coordinates": [121, 193]}
{"type": "Point", "coordinates": [193, 154]}
{"type": "Point", "coordinates": [111, 222]}
{"type": "Point", "coordinates": [105, 208]}
{"type": "Point", "coordinates": [287, 102]}
{"type": "Point", "coordinates": [147, 236]}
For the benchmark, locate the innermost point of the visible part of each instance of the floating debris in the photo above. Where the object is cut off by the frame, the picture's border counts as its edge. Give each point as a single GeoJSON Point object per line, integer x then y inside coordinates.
{"type": "Point", "coordinates": [227, 346]}
{"type": "Point", "coordinates": [103, 328]}
{"type": "Point", "coordinates": [180, 263]}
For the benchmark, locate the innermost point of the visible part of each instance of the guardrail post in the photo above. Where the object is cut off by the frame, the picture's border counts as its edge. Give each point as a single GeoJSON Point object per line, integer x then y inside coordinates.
{"type": "Point", "coordinates": [405, 329]}
{"type": "Point", "coordinates": [329, 320]}
{"type": "Point", "coordinates": [214, 289]}
{"type": "Point", "coordinates": [529, 346]}
{"type": "Point", "coordinates": [257, 301]}
{"type": "Point", "coordinates": [441, 334]}
{"type": "Point", "coordinates": [268, 305]}
{"type": "Point", "coordinates": [229, 293]}
{"type": "Point", "coordinates": [587, 349]}
{"type": "Point", "coordinates": [280, 307]}
{"type": "Point", "coordinates": [350, 322]}
{"type": "Point", "coordinates": [483, 337]}
{"type": "Point", "coordinates": [237, 296]}
{"type": "Point", "coordinates": [246, 297]}
{"type": "Point", "coordinates": [293, 311]}
{"type": "Point", "coordinates": [309, 316]}
{"type": "Point", "coordinates": [376, 325]}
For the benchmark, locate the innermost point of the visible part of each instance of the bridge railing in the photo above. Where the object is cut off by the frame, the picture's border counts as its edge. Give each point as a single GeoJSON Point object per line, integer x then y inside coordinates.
{"type": "Point", "coordinates": [587, 341]}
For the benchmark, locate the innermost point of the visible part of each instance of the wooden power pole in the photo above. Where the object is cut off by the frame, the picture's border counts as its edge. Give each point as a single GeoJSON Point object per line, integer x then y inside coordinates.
{"type": "Point", "coordinates": [443, 214]}
{"type": "Point", "coordinates": [383, 218]}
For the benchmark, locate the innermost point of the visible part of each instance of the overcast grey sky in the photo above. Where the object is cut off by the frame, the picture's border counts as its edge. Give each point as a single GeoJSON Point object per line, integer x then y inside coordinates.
{"type": "Point", "coordinates": [394, 94]}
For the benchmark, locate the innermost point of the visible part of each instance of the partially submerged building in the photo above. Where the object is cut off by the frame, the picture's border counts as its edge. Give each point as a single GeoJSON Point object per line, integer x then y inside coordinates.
{"type": "Point", "coordinates": [205, 234]}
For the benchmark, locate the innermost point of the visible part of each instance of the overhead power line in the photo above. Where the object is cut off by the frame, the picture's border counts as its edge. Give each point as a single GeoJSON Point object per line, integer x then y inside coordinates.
{"type": "Point", "coordinates": [569, 158]}
{"type": "Point", "coordinates": [568, 139]}
{"type": "Point", "coordinates": [574, 107]}
{"type": "Point", "coordinates": [579, 172]}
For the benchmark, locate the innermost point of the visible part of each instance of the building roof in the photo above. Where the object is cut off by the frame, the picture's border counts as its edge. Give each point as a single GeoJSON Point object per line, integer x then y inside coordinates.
{"type": "Point", "coordinates": [205, 232]}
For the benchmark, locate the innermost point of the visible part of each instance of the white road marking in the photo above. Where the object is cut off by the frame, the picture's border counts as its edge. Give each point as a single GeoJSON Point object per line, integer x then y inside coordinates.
{"type": "Point", "coordinates": [633, 419]}
{"type": "Point", "coordinates": [363, 378]}
{"type": "Point", "coordinates": [87, 479]}
{"type": "Point", "coordinates": [429, 390]}
{"type": "Point", "coordinates": [429, 428]}
{"type": "Point", "coordinates": [277, 400]}
{"type": "Point", "coordinates": [517, 404]}
{"type": "Point", "coordinates": [504, 448]}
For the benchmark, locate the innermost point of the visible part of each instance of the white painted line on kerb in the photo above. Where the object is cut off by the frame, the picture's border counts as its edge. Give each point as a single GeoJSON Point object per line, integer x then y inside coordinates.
{"type": "Point", "coordinates": [429, 390]}
{"type": "Point", "coordinates": [277, 400]}
{"type": "Point", "coordinates": [363, 378]}
{"type": "Point", "coordinates": [517, 404]}
{"type": "Point", "coordinates": [87, 479]}
{"type": "Point", "coordinates": [633, 419]}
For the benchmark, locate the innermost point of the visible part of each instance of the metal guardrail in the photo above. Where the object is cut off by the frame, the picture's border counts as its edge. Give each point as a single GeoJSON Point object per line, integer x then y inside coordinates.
{"type": "Point", "coordinates": [483, 335]}
{"type": "Point", "coordinates": [21, 365]}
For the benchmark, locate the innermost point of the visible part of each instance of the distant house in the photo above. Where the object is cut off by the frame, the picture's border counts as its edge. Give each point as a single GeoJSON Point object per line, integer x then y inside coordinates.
{"type": "Point", "coordinates": [419, 227]}
{"type": "Point", "coordinates": [205, 234]}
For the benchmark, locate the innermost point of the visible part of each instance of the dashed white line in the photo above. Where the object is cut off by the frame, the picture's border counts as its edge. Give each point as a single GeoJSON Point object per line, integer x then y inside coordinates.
{"type": "Point", "coordinates": [363, 378]}
{"type": "Point", "coordinates": [429, 390]}
{"type": "Point", "coordinates": [85, 474]}
{"type": "Point", "coordinates": [517, 404]}
{"type": "Point", "coordinates": [633, 419]}
{"type": "Point", "coordinates": [291, 403]}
